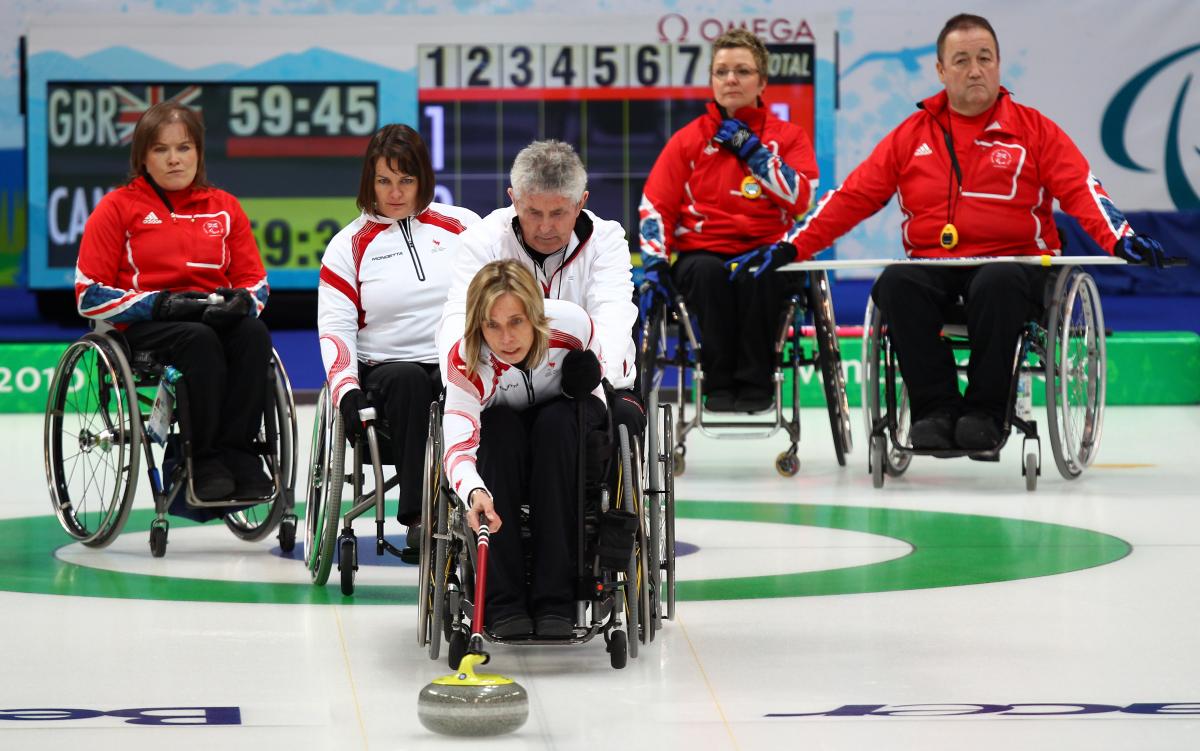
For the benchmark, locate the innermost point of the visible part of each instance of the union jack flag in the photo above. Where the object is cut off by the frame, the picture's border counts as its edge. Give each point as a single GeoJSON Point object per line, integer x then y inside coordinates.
{"type": "Point", "coordinates": [132, 105]}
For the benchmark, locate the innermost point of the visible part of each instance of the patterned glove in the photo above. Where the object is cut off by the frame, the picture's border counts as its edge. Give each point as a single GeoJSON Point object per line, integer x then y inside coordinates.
{"type": "Point", "coordinates": [766, 258]}
{"type": "Point", "coordinates": [1140, 249]}
{"type": "Point", "coordinates": [737, 137]}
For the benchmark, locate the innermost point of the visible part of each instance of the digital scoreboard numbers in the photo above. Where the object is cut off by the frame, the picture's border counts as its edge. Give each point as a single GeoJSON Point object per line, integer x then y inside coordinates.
{"type": "Point", "coordinates": [617, 104]}
{"type": "Point", "coordinates": [290, 152]}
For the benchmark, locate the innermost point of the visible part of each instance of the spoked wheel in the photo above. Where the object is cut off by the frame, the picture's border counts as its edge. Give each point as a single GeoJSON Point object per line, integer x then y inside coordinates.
{"type": "Point", "coordinates": [656, 505]}
{"type": "Point", "coordinates": [431, 586]}
{"type": "Point", "coordinates": [829, 357]}
{"type": "Point", "coordinates": [276, 434]}
{"type": "Point", "coordinates": [669, 513]}
{"type": "Point", "coordinates": [325, 479]}
{"type": "Point", "coordinates": [1076, 359]}
{"type": "Point", "coordinates": [92, 440]}
{"type": "Point", "coordinates": [636, 595]}
{"type": "Point", "coordinates": [652, 344]}
{"type": "Point", "coordinates": [875, 354]}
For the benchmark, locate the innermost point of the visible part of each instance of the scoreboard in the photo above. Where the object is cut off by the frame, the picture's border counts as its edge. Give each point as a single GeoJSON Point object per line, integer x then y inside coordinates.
{"type": "Point", "coordinates": [286, 127]}
{"type": "Point", "coordinates": [618, 104]}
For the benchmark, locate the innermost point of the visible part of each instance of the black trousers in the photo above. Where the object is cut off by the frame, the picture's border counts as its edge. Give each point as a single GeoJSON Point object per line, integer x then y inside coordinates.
{"type": "Point", "coordinates": [738, 320]}
{"type": "Point", "coordinates": [1000, 298]}
{"type": "Point", "coordinates": [531, 457]}
{"type": "Point", "coordinates": [402, 393]}
{"type": "Point", "coordinates": [225, 374]}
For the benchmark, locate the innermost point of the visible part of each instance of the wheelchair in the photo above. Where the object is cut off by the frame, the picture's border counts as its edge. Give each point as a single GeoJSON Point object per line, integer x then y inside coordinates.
{"type": "Point", "coordinates": [1065, 346]}
{"type": "Point", "coordinates": [626, 606]}
{"type": "Point", "coordinates": [327, 475]}
{"type": "Point", "coordinates": [101, 396]}
{"type": "Point", "coordinates": [806, 337]}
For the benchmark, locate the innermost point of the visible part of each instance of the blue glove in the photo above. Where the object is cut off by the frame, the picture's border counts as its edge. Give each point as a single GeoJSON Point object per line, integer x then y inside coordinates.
{"type": "Point", "coordinates": [737, 137]}
{"type": "Point", "coordinates": [657, 271]}
{"type": "Point", "coordinates": [1140, 249]}
{"type": "Point", "coordinates": [767, 258]}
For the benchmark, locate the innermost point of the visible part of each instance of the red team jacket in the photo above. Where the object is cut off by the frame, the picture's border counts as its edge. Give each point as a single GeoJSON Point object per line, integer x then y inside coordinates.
{"type": "Point", "coordinates": [693, 200]}
{"type": "Point", "coordinates": [1012, 171]}
{"type": "Point", "coordinates": [133, 247]}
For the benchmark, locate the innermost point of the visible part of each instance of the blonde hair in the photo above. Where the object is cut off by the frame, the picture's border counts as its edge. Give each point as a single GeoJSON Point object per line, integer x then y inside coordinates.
{"type": "Point", "coordinates": [493, 281]}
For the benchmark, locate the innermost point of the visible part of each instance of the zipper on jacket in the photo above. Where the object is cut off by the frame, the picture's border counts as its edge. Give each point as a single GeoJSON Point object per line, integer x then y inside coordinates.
{"type": "Point", "coordinates": [406, 230]}
{"type": "Point", "coordinates": [528, 385]}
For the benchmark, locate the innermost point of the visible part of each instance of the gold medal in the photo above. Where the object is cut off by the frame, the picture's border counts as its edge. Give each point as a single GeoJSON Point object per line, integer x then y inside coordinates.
{"type": "Point", "coordinates": [949, 236]}
{"type": "Point", "coordinates": [750, 187]}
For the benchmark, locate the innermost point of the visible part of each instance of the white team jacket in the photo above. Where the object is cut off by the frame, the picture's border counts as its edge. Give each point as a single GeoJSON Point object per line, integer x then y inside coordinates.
{"type": "Point", "coordinates": [497, 382]}
{"type": "Point", "coordinates": [383, 284]}
{"type": "Point", "coordinates": [594, 273]}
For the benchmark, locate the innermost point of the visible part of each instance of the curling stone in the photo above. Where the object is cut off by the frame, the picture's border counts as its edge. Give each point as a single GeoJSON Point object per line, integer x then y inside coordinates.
{"type": "Point", "coordinates": [471, 704]}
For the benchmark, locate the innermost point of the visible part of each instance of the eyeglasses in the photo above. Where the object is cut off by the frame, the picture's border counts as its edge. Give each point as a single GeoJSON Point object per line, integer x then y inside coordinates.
{"type": "Point", "coordinates": [741, 73]}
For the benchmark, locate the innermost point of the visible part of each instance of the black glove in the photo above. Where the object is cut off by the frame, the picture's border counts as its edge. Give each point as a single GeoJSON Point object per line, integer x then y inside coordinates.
{"type": "Point", "coordinates": [353, 402]}
{"type": "Point", "coordinates": [179, 306]}
{"type": "Point", "coordinates": [657, 271]}
{"type": "Point", "coordinates": [737, 137]}
{"type": "Point", "coordinates": [580, 373]}
{"type": "Point", "coordinates": [1140, 249]}
{"type": "Point", "coordinates": [237, 305]}
{"type": "Point", "coordinates": [767, 258]}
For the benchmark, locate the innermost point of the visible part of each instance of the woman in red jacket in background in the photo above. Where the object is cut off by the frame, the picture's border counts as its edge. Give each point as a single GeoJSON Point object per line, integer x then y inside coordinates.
{"type": "Point", "coordinates": [170, 260]}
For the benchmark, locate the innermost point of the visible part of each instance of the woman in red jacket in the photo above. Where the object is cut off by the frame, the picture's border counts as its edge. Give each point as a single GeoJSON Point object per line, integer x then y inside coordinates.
{"type": "Point", "coordinates": [729, 181]}
{"type": "Point", "coordinates": [170, 260]}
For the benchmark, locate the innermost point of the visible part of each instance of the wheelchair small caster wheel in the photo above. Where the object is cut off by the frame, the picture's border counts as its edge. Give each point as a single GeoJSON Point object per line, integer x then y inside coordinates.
{"type": "Point", "coordinates": [878, 460]}
{"type": "Point", "coordinates": [678, 465]}
{"type": "Point", "coordinates": [787, 464]}
{"type": "Point", "coordinates": [1031, 472]}
{"type": "Point", "coordinates": [347, 562]}
{"type": "Point", "coordinates": [458, 648]}
{"type": "Point", "coordinates": [158, 540]}
{"type": "Point", "coordinates": [287, 534]}
{"type": "Point", "coordinates": [618, 649]}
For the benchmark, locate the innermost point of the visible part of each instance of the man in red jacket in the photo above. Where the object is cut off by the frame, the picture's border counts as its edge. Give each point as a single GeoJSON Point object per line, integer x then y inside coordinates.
{"type": "Point", "coordinates": [732, 179]}
{"type": "Point", "coordinates": [975, 174]}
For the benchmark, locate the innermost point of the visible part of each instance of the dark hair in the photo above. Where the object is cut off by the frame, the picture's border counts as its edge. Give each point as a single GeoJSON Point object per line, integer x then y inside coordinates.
{"type": "Point", "coordinates": [405, 152]}
{"type": "Point", "coordinates": [147, 128]}
{"type": "Point", "coordinates": [743, 39]}
{"type": "Point", "coordinates": [962, 22]}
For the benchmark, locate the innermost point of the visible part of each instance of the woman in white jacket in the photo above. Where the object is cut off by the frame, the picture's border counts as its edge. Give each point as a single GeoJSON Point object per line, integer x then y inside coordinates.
{"type": "Point", "coordinates": [384, 278]}
{"type": "Point", "coordinates": [511, 438]}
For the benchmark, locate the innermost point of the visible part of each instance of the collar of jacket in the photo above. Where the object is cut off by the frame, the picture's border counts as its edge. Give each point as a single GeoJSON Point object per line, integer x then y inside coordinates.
{"type": "Point", "coordinates": [755, 117]}
{"type": "Point", "coordinates": [938, 105]}
{"type": "Point", "coordinates": [174, 200]}
{"type": "Point", "coordinates": [583, 232]}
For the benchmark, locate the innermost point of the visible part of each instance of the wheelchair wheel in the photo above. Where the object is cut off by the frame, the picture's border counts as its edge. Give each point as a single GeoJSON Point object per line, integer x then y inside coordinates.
{"type": "Point", "coordinates": [875, 354]}
{"type": "Point", "coordinates": [277, 437]}
{"type": "Point", "coordinates": [325, 479]}
{"type": "Point", "coordinates": [92, 440]}
{"type": "Point", "coordinates": [829, 356]}
{"type": "Point", "coordinates": [431, 586]}
{"type": "Point", "coordinates": [637, 593]}
{"type": "Point", "coordinates": [618, 649]}
{"type": "Point", "coordinates": [652, 344]}
{"type": "Point", "coordinates": [669, 515]}
{"type": "Point", "coordinates": [1075, 363]}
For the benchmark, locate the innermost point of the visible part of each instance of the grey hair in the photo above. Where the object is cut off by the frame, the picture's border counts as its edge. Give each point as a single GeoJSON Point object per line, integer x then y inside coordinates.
{"type": "Point", "coordinates": [548, 167]}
